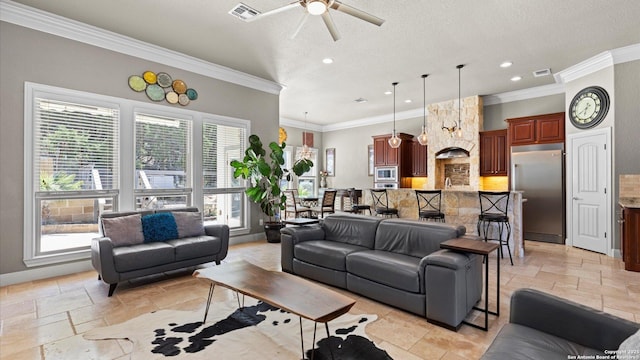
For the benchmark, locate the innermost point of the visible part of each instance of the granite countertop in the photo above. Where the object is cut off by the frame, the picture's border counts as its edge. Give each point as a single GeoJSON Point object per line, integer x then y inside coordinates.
{"type": "Point", "coordinates": [629, 202]}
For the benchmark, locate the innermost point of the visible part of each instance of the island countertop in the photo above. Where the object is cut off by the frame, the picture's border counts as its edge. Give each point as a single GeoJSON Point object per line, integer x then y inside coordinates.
{"type": "Point", "coordinates": [629, 202]}
{"type": "Point", "coordinates": [460, 207]}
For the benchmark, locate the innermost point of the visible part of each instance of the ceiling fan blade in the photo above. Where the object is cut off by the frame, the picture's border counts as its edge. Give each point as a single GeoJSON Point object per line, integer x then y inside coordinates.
{"type": "Point", "coordinates": [331, 26]}
{"type": "Point", "coordinates": [337, 5]}
{"type": "Point", "coordinates": [303, 20]}
{"type": "Point", "coordinates": [274, 11]}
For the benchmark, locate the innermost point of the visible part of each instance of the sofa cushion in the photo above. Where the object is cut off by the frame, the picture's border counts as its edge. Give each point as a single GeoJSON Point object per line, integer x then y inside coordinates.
{"type": "Point", "coordinates": [123, 230]}
{"type": "Point", "coordinates": [328, 254]}
{"type": "Point", "coordinates": [396, 270]}
{"type": "Point", "coordinates": [414, 237]}
{"type": "Point", "coordinates": [159, 227]}
{"type": "Point", "coordinates": [351, 229]}
{"type": "Point", "coordinates": [189, 223]}
{"type": "Point", "coordinates": [195, 247]}
{"type": "Point", "coordinates": [142, 256]}
{"type": "Point", "coordinates": [524, 343]}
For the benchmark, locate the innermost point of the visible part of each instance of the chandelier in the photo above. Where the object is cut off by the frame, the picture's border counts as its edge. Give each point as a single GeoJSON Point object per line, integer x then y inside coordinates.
{"type": "Point", "coordinates": [394, 141]}
{"type": "Point", "coordinates": [306, 152]}
{"type": "Point", "coordinates": [422, 138]}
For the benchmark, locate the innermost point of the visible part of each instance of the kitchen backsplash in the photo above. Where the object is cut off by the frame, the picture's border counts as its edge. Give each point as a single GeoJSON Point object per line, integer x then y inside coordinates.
{"type": "Point", "coordinates": [629, 185]}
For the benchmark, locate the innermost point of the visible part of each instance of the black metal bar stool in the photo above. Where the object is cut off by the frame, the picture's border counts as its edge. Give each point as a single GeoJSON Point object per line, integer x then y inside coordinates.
{"type": "Point", "coordinates": [493, 210]}
{"type": "Point", "coordinates": [381, 203]}
{"type": "Point", "coordinates": [429, 205]}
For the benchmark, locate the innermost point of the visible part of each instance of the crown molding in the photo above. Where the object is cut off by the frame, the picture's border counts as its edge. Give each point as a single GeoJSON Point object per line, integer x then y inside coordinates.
{"type": "Point", "coordinates": [584, 68]}
{"type": "Point", "coordinates": [46, 22]}
{"type": "Point", "coordinates": [400, 116]}
{"type": "Point", "coordinates": [524, 94]}
{"type": "Point", "coordinates": [626, 54]}
{"type": "Point", "coordinates": [301, 124]}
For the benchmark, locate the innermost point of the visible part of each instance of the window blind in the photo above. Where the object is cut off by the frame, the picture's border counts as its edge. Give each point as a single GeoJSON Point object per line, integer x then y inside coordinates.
{"type": "Point", "coordinates": [220, 145]}
{"type": "Point", "coordinates": [75, 146]}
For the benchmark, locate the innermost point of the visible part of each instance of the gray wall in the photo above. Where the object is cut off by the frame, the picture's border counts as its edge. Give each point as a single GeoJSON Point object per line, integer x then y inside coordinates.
{"type": "Point", "coordinates": [627, 129]}
{"type": "Point", "coordinates": [29, 55]}
{"type": "Point", "coordinates": [495, 115]}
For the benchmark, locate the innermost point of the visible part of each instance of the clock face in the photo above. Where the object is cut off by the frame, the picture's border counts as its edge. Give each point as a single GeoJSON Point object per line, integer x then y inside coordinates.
{"type": "Point", "coordinates": [589, 107]}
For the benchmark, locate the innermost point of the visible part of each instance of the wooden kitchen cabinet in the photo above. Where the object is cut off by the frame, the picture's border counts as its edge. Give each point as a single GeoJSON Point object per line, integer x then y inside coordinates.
{"type": "Point", "coordinates": [493, 153]}
{"type": "Point", "coordinates": [539, 129]}
{"type": "Point", "coordinates": [419, 159]}
{"type": "Point", "coordinates": [383, 154]}
{"type": "Point", "coordinates": [630, 238]}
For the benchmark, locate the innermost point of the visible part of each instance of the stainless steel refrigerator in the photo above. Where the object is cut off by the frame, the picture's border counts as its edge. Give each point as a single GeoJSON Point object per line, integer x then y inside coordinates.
{"type": "Point", "coordinates": [538, 171]}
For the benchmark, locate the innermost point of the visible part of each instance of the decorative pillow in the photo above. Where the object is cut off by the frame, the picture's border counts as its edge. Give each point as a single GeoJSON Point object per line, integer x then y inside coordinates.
{"type": "Point", "coordinates": [629, 348]}
{"type": "Point", "coordinates": [123, 230]}
{"type": "Point", "coordinates": [159, 227]}
{"type": "Point", "coordinates": [189, 223]}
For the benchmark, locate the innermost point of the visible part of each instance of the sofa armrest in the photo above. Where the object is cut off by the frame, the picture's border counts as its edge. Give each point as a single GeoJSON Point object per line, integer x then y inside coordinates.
{"type": "Point", "coordinates": [569, 320]}
{"type": "Point", "coordinates": [102, 259]}
{"type": "Point", "coordinates": [222, 232]}
{"type": "Point", "coordinates": [445, 259]}
{"type": "Point", "coordinates": [292, 235]}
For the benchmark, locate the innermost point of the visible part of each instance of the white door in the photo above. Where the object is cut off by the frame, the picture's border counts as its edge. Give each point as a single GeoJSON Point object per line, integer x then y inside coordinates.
{"type": "Point", "coordinates": [590, 173]}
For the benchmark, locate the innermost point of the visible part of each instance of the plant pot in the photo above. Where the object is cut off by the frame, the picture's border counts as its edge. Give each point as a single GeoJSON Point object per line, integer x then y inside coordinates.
{"type": "Point", "coordinates": [272, 230]}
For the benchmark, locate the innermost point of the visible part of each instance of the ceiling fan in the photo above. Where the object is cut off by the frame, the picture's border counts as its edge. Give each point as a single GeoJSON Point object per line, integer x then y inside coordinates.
{"type": "Point", "coordinates": [321, 7]}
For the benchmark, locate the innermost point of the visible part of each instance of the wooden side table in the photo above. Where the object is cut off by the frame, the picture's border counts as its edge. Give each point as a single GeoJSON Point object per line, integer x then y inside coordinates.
{"type": "Point", "coordinates": [481, 248]}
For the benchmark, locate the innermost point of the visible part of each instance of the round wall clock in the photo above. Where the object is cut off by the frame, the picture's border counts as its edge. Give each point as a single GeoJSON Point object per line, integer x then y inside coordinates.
{"type": "Point", "coordinates": [589, 107]}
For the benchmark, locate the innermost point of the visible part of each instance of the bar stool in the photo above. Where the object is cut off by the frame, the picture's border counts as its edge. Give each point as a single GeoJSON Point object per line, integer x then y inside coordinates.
{"type": "Point", "coordinates": [381, 203]}
{"type": "Point", "coordinates": [354, 202]}
{"type": "Point", "coordinates": [429, 205]}
{"type": "Point", "coordinates": [493, 210]}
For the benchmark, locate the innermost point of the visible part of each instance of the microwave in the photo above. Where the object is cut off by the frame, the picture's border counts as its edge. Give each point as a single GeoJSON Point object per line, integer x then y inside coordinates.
{"type": "Point", "coordinates": [386, 173]}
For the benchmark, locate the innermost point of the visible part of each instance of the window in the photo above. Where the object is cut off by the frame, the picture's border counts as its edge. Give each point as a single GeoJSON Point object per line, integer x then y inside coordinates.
{"type": "Point", "coordinates": [307, 181]}
{"type": "Point", "coordinates": [224, 198]}
{"type": "Point", "coordinates": [74, 172]}
{"type": "Point", "coordinates": [162, 164]}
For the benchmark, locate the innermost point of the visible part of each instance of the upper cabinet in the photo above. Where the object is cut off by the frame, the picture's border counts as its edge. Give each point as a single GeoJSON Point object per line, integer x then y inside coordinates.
{"type": "Point", "coordinates": [419, 159]}
{"type": "Point", "coordinates": [385, 155]}
{"type": "Point", "coordinates": [493, 153]}
{"type": "Point", "coordinates": [539, 129]}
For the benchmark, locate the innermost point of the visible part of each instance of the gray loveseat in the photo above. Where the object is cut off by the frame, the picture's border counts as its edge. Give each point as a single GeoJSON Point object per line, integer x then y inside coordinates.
{"type": "Point", "coordinates": [135, 244]}
{"type": "Point", "coordinates": [543, 326]}
{"type": "Point", "coordinates": [397, 262]}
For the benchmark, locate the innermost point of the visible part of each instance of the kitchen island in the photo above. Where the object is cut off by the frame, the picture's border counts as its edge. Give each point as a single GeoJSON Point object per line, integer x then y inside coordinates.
{"type": "Point", "coordinates": [460, 207]}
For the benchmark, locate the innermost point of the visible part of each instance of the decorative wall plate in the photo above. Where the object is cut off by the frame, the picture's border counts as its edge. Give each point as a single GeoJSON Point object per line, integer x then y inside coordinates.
{"type": "Point", "coordinates": [149, 77]}
{"type": "Point", "coordinates": [192, 94]}
{"type": "Point", "coordinates": [179, 86]}
{"type": "Point", "coordinates": [155, 92]}
{"type": "Point", "coordinates": [183, 99]}
{"type": "Point", "coordinates": [172, 97]}
{"type": "Point", "coordinates": [137, 83]}
{"type": "Point", "coordinates": [164, 79]}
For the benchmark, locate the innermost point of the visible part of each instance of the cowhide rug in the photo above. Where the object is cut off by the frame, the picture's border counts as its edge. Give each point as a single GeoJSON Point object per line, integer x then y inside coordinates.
{"type": "Point", "coordinates": [257, 331]}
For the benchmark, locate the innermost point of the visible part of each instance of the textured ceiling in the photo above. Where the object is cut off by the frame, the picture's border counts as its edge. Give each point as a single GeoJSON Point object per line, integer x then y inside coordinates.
{"type": "Point", "coordinates": [418, 36]}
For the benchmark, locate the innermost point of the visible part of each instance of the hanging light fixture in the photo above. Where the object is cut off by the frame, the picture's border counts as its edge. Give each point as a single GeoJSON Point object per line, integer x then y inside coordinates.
{"type": "Point", "coordinates": [422, 138]}
{"type": "Point", "coordinates": [456, 128]}
{"type": "Point", "coordinates": [394, 141]}
{"type": "Point", "coordinates": [306, 152]}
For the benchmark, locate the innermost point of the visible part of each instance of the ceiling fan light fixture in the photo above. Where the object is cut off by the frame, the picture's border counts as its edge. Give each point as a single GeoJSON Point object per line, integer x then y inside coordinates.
{"type": "Point", "coordinates": [316, 7]}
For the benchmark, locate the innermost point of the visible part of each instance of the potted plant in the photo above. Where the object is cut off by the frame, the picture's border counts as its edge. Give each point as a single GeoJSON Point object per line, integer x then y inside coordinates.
{"type": "Point", "coordinates": [265, 175]}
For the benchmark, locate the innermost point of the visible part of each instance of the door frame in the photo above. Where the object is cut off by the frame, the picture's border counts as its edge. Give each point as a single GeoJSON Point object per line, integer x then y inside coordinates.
{"type": "Point", "coordinates": [608, 176]}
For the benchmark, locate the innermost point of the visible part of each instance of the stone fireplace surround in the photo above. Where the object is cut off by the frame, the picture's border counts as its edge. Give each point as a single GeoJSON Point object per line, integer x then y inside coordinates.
{"type": "Point", "coordinates": [471, 123]}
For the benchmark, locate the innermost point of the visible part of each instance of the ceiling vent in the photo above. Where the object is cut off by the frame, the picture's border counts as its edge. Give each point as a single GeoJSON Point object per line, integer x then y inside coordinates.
{"type": "Point", "coordinates": [543, 72]}
{"type": "Point", "coordinates": [360, 100]}
{"type": "Point", "coordinates": [244, 12]}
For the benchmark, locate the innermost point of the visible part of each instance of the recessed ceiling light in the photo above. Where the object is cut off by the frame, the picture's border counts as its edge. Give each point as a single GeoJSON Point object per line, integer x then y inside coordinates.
{"type": "Point", "coordinates": [407, 101]}
{"type": "Point", "coordinates": [388, 92]}
{"type": "Point", "coordinates": [516, 78]}
{"type": "Point", "coordinates": [327, 60]}
{"type": "Point", "coordinates": [506, 64]}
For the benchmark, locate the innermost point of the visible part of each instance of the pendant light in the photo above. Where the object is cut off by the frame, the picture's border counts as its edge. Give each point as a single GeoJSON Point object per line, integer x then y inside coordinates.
{"type": "Point", "coordinates": [394, 141]}
{"type": "Point", "coordinates": [422, 138]}
{"type": "Point", "coordinates": [305, 153]}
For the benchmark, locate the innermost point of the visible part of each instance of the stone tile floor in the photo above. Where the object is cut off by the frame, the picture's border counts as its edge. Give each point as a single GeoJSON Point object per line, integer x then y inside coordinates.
{"type": "Point", "coordinates": [44, 319]}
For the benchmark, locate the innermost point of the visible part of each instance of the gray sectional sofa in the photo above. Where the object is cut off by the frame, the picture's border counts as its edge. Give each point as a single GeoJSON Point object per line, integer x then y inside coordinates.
{"type": "Point", "coordinates": [135, 244]}
{"type": "Point", "coordinates": [394, 261]}
{"type": "Point", "coordinates": [543, 326]}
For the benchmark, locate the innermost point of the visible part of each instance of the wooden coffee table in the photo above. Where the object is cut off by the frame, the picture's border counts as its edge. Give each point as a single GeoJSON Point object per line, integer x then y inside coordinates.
{"type": "Point", "coordinates": [288, 292]}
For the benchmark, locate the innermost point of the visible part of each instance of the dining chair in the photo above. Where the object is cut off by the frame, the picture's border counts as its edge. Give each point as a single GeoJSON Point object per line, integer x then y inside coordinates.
{"type": "Point", "coordinates": [327, 204]}
{"type": "Point", "coordinates": [292, 206]}
{"type": "Point", "coordinates": [429, 205]}
{"type": "Point", "coordinates": [381, 203]}
{"type": "Point", "coordinates": [493, 210]}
